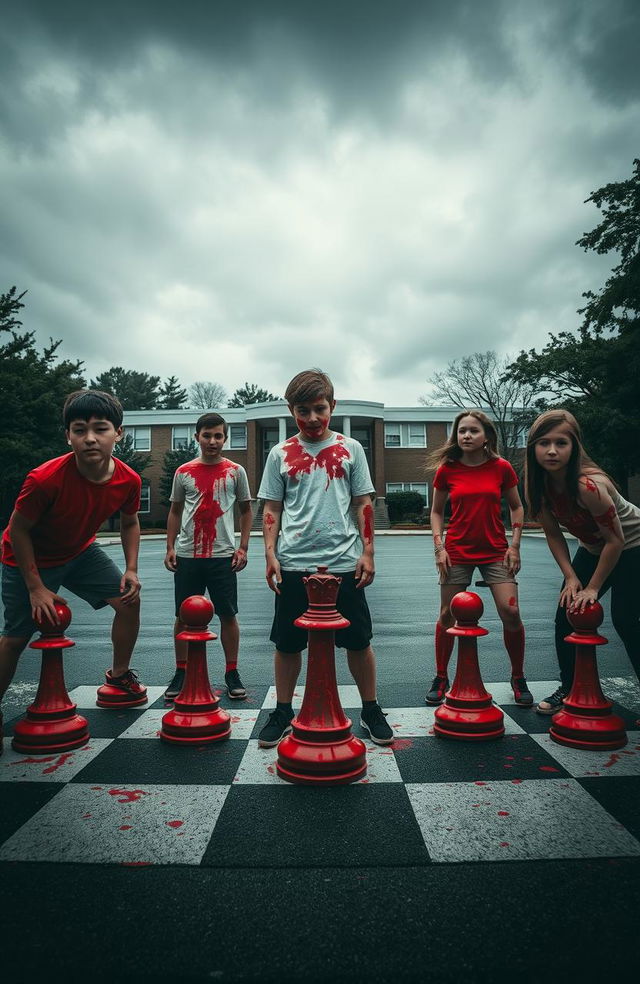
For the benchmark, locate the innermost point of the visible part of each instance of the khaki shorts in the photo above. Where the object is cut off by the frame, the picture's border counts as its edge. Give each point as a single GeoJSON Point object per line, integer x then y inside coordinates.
{"type": "Point", "coordinates": [462, 574]}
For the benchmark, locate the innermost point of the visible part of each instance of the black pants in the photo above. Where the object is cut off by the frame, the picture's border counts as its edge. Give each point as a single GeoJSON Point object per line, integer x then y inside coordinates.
{"type": "Point", "coordinates": [624, 581]}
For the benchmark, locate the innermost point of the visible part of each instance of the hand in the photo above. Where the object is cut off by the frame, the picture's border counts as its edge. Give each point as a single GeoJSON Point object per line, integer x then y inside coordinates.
{"type": "Point", "coordinates": [365, 570]}
{"type": "Point", "coordinates": [171, 560]}
{"type": "Point", "coordinates": [274, 575]}
{"type": "Point", "coordinates": [512, 560]}
{"type": "Point", "coordinates": [570, 591]}
{"type": "Point", "coordinates": [129, 587]}
{"type": "Point", "coordinates": [43, 602]}
{"type": "Point", "coordinates": [239, 561]}
{"type": "Point", "coordinates": [443, 564]}
{"type": "Point", "coordinates": [588, 596]}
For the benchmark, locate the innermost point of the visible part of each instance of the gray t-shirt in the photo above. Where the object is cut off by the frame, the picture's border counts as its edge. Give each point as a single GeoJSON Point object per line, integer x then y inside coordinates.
{"type": "Point", "coordinates": [316, 481]}
{"type": "Point", "coordinates": [208, 493]}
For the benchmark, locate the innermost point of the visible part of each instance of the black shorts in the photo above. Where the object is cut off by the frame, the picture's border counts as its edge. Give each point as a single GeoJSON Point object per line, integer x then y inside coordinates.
{"type": "Point", "coordinates": [194, 575]}
{"type": "Point", "coordinates": [293, 602]}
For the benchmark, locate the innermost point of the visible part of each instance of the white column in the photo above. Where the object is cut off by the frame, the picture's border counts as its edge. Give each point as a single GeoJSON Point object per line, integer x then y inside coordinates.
{"type": "Point", "coordinates": [346, 426]}
{"type": "Point", "coordinates": [282, 429]}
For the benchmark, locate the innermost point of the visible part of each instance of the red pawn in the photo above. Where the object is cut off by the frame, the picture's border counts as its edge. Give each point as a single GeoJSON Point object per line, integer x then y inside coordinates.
{"type": "Point", "coordinates": [586, 719]}
{"type": "Point", "coordinates": [51, 724]}
{"type": "Point", "coordinates": [322, 750]}
{"type": "Point", "coordinates": [196, 717]}
{"type": "Point", "coordinates": [468, 711]}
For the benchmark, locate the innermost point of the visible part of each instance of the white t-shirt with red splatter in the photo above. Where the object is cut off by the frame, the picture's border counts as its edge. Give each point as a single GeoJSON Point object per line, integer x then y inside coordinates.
{"type": "Point", "coordinates": [208, 493]}
{"type": "Point", "coordinates": [316, 481]}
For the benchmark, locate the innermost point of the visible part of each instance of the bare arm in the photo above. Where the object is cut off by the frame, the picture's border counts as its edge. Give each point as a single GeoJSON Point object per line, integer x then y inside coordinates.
{"type": "Point", "coordinates": [130, 539]}
{"type": "Point", "coordinates": [516, 514]}
{"type": "Point", "coordinates": [560, 551]}
{"type": "Point", "coordinates": [271, 518]}
{"type": "Point", "coordinates": [239, 561]}
{"type": "Point", "coordinates": [174, 522]}
{"type": "Point", "coordinates": [42, 599]}
{"type": "Point", "coordinates": [365, 566]}
{"type": "Point", "coordinates": [437, 527]}
{"type": "Point", "coordinates": [595, 497]}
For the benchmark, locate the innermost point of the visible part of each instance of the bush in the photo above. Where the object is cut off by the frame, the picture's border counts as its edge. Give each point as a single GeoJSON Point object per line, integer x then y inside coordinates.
{"type": "Point", "coordinates": [404, 506]}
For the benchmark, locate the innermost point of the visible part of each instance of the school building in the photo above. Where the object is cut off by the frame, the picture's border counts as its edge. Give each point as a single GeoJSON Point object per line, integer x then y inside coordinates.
{"type": "Point", "coordinates": [395, 441]}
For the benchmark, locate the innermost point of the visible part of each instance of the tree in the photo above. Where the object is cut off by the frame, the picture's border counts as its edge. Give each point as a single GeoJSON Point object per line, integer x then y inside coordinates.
{"type": "Point", "coordinates": [135, 390]}
{"type": "Point", "coordinates": [481, 380]}
{"type": "Point", "coordinates": [125, 451]}
{"type": "Point", "coordinates": [250, 393]}
{"type": "Point", "coordinates": [35, 386]}
{"type": "Point", "coordinates": [171, 395]}
{"type": "Point", "coordinates": [207, 396]}
{"type": "Point", "coordinates": [593, 374]}
{"type": "Point", "coordinates": [173, 460]}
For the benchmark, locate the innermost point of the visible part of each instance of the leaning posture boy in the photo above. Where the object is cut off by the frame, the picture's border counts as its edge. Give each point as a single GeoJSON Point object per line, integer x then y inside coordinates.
{"type": "Point", "coordinates": [201, 550]}
{"type": "Point", "coordinates": [50, 539]}
{"type": "Point", "coordinates": [312, 484]}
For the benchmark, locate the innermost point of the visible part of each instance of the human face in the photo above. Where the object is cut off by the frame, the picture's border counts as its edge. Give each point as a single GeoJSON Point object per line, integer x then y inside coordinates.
{"type": "Point", "coordinates": [471, 435]}
{"type": "Point", "coordinates": [211, 441]}
{"type": "Point", "coordinates": [553, 450]}
{"type": "Point", "coordinates": [313, 418]}
{"type": "Point", "coordinates": [92, 442]}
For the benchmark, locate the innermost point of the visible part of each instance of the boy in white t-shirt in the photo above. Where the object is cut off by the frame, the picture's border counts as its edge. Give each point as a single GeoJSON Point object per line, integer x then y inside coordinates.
{"type": "Point", "coordinates": [201, 550]}
{"type": "Point", "coordinates": [310, 485]}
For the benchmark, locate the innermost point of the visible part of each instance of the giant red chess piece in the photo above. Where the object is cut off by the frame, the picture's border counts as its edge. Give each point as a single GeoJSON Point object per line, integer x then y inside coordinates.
{"type": "Point", "coordinates": [51, 724]}
{"type": "Point", "coordinates": [586, 719]}
{"type": "Point", "coordinates": [322, 749]}
{"type": "Point", "coordinates": [196, 717]}
{"type": "Point", "coordinates": [468, 711]}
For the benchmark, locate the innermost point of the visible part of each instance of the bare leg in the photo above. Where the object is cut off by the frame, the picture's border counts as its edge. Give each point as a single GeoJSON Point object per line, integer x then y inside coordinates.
{"type": "Point", "coordinates": [124, 633]}
{"type": "Point", "coordinates": [362, 666]}
{"type": "Point", "coordinates": [10, 649]}
{"type": "Point", "coordinates": [287, 670]}
{"type": "Point", "coordinates": [230, 639]}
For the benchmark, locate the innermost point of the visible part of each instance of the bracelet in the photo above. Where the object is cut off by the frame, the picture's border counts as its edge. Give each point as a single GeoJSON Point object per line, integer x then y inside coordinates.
{"type": "Point", "coordinates": [438, 547]}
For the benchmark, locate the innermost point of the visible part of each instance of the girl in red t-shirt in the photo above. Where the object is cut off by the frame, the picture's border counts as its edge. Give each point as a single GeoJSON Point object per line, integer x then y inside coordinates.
{"type": "Point", "coordinates": [475, 478]}
{"type": "Point", "coordinates": [564, 487]}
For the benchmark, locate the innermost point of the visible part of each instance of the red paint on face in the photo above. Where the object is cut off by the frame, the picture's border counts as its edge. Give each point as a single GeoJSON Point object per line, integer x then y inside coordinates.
{"type": "Point", "coordinates": [128, 795]}
{"type": "Point", "coordinates": [300, 462]}
{"type": "Point", "coordinates": [607, 519]}
{"type": "Point", "coordinates": [313, 428]}
{"type": "Point", "coordinates": [208, 480]}
{"type": "Point", "coordinates": [368, 524]}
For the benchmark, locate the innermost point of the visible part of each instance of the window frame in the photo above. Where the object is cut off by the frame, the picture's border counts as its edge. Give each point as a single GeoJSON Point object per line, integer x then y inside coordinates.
{"type": "Point", "coordinates": [133, 432]}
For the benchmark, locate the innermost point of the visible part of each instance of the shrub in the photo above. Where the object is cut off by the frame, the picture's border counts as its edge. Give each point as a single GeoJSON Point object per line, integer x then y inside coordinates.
{"type": "Point", "coordinates": [402, 505]}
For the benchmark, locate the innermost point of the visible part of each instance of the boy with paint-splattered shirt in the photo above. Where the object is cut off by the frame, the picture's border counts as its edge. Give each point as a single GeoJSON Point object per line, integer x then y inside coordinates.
{"type": "Point", "coordinates": [201, 550]}
{"type": "Point", "coordinates": [317, 491]}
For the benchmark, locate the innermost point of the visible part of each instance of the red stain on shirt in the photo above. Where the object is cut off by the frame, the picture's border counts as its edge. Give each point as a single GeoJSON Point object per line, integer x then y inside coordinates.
{"type": "Point", "coordinates": [128, 795]}
{"type": "Point", "coordinates": [607, 519]}
{"type": "Point", "coordinates": [299, 462]}
{"type": "Point", "coordinates": [591, 486]}
{"type": "Point", "coordinates": [208, 480]}
{"type": "Point", "coordinates": [368, 524]}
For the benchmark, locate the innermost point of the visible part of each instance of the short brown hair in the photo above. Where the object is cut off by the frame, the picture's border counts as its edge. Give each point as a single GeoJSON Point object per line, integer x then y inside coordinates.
{"type": "Point", "coordinates": [87, 403]}
{"type": "Point", "coordinates": [311, 384]}
{"type": "Point", "coordinates": [211, 420]}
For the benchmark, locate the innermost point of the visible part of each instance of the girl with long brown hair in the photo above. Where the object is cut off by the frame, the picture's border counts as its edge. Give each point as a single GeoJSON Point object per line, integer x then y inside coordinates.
{"type": "Point", "coordinates": [564, 487]}
{"type": "Point", "coordinates": [473, 475]}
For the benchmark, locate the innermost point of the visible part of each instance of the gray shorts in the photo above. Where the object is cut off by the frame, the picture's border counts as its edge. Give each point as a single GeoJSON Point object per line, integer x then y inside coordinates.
{"type": "Point", "coordinates": [92, 576]}
{"type": "Point", "coordinates": [462, 574]}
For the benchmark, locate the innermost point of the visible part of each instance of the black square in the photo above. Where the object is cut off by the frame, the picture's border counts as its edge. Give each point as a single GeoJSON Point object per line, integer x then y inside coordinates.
{"type": "Point", "coordinates": [150, 760]}
{"type": "Point", "coordinates": [620, 796]}
{"type": "Point", "coordinates": [20, 801]}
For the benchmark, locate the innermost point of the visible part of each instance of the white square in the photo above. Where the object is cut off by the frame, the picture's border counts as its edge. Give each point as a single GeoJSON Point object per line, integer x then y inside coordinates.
{"type": "Point", "coordinates": [516, 821]}
{"type": "Point", "coordinates": [258, 766]}
{"type": "Point", "coordinates": [417, 722]}
{"type": "Point", "coordinates": [503, 694]}
{"type": "Point", "coordinates": [623, 691]}
{"type": "Point", "coordinates": [348, 694]}
{"type": "Point", "coordinates": [55, 767]}
{"type": "Point", "coordinates": [149, 724]}
{"type": "Point", "coordinates": [86, 697]}
{"type": "Point", "coordinates": [582, 763]}
{"type": "Point", "coordinates": [120, 825]}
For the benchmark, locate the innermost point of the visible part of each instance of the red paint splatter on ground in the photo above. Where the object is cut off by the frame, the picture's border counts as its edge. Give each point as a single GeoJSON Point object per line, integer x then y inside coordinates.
{"type": "Point", "coordinates": [613, 758]}
{"type": "Point", "coordinates": [97, 787]}
{"type": "Point", "coordinates": [507, 765]}
{"type": "Point", "coordinates": [299, 462]}
{"type": "Point", "coordinates": [271, 769]}
{"type": "Point", "coordinates": [368, 524]}
{"type": "Point", "coordinates": [128, 795]}
{"type": "Point", "coordinates": [509, 758]}
{"type": "Point", "coordinates": [56, 765]}
{"type": "Point", "coordinates": [125, 826]}
{"type": "Point", "coordinates": [478, 783]}
{"type": "Point", "coordinates": [174, 823]}
{"type": "Point", "coordinates": [86, 816]}
{"type": "Point", "coordinates": [31, 761]}
{"type": "Point", "coordinates": [209, 480]}
{"type": "Point", "coordinates": [400, 744]}
{"type": "Point", "coordinates": [516, 782]}
{"type": "Point", "coordinates": [503, 813]}
{"type": "Point", "coordinates": [548, 768]}
{"type": "Point", "coordinates": [505, 844]}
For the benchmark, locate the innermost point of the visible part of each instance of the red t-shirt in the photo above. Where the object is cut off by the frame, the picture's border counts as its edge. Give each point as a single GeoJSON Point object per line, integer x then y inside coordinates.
{"type": "Point", "coordinates": [68, 509]}
{"type": "Point", "coordinates": [476, 531]}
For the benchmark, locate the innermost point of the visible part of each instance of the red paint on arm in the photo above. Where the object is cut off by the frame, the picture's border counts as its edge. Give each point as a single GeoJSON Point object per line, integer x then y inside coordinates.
{"type": "Point", "coordinates": [591, 486]}
{"type": "Point", "coordinates": [269, 520]}
{"type": "Point", "coordinates": [368, 523]}
{"type": "Point", "coordinates": [607, 519]}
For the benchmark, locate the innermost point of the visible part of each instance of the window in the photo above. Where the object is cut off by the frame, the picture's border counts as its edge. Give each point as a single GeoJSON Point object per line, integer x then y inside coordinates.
{"type": "Point", "coordinates": [405, 435]}
{"type": "Point", "coordinates": [363, 435]}
{"type": "Point", "coordinates": [145, 497]}
{"type": "Point", "coordinates": [420, 487]}
{"type": "Point", "coordinates": [141, 437]}
{"type": "Point", "coordinates": [237, 436]}
{"type": "Point", "coordinates": [181, 436]}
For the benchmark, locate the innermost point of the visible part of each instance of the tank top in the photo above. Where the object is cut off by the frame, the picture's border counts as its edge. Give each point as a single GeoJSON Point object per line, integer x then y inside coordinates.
{"type": "Point", "coordinates": [581, 523]}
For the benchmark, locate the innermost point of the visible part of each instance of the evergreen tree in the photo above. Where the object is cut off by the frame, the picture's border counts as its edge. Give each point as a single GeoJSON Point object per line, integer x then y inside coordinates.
{"type": "Point", "coordinates": [173, 460]}
{"type": "Point", "coordinates": [250, 393]}
{"type": "Point", "coordinates": [171, 396]}
{"type": "Point", "coordinates": [135, 390]}
{"type": "Point", "coordinates": [125, 451]}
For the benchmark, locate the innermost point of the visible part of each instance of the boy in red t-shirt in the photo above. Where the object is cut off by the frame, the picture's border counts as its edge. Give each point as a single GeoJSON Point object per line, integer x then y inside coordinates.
{"type": "Point", "coordinates": [50, 539]}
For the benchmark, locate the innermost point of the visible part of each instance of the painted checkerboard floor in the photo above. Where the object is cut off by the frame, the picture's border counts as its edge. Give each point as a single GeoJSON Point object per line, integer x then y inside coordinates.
{"type": "Point", "coordinates": [128, 798]}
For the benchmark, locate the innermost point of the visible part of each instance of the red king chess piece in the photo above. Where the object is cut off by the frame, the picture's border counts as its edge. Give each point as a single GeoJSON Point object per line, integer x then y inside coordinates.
{"type": "Point", "coordinates": [51, 724]}
{"type": "Point", "coordinates": [586, 719]}
{"type": "Point", "coordinates": [321, 750]}
{"type": "Point", "coordinates": [196, 717]}
{"type": "Point", "coordinates": [468, 712]}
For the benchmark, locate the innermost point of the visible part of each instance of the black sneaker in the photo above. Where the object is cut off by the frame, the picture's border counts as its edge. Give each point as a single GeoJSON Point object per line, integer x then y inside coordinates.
{"type": "Point", "coordinates": [234, 685]}
{"type": "Point", "coordinates": [278, 725]}
{"type": "Point", "coordinates": [438, 690]}
{"type": "Point", "coordinates": [521, 693]}
{"type": "Point", "coordinates": [176, 684]}
{"type": "Point", "coordinates": [129, 682]}
{"type": "Point", "coordinates": [373, 720]}
{"type": "Point", "coordinates": [553, 703]}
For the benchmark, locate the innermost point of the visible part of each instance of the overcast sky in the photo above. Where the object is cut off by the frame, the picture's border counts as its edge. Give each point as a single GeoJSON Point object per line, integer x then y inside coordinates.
{"type": "Point", "coordinates": [236, 191]}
